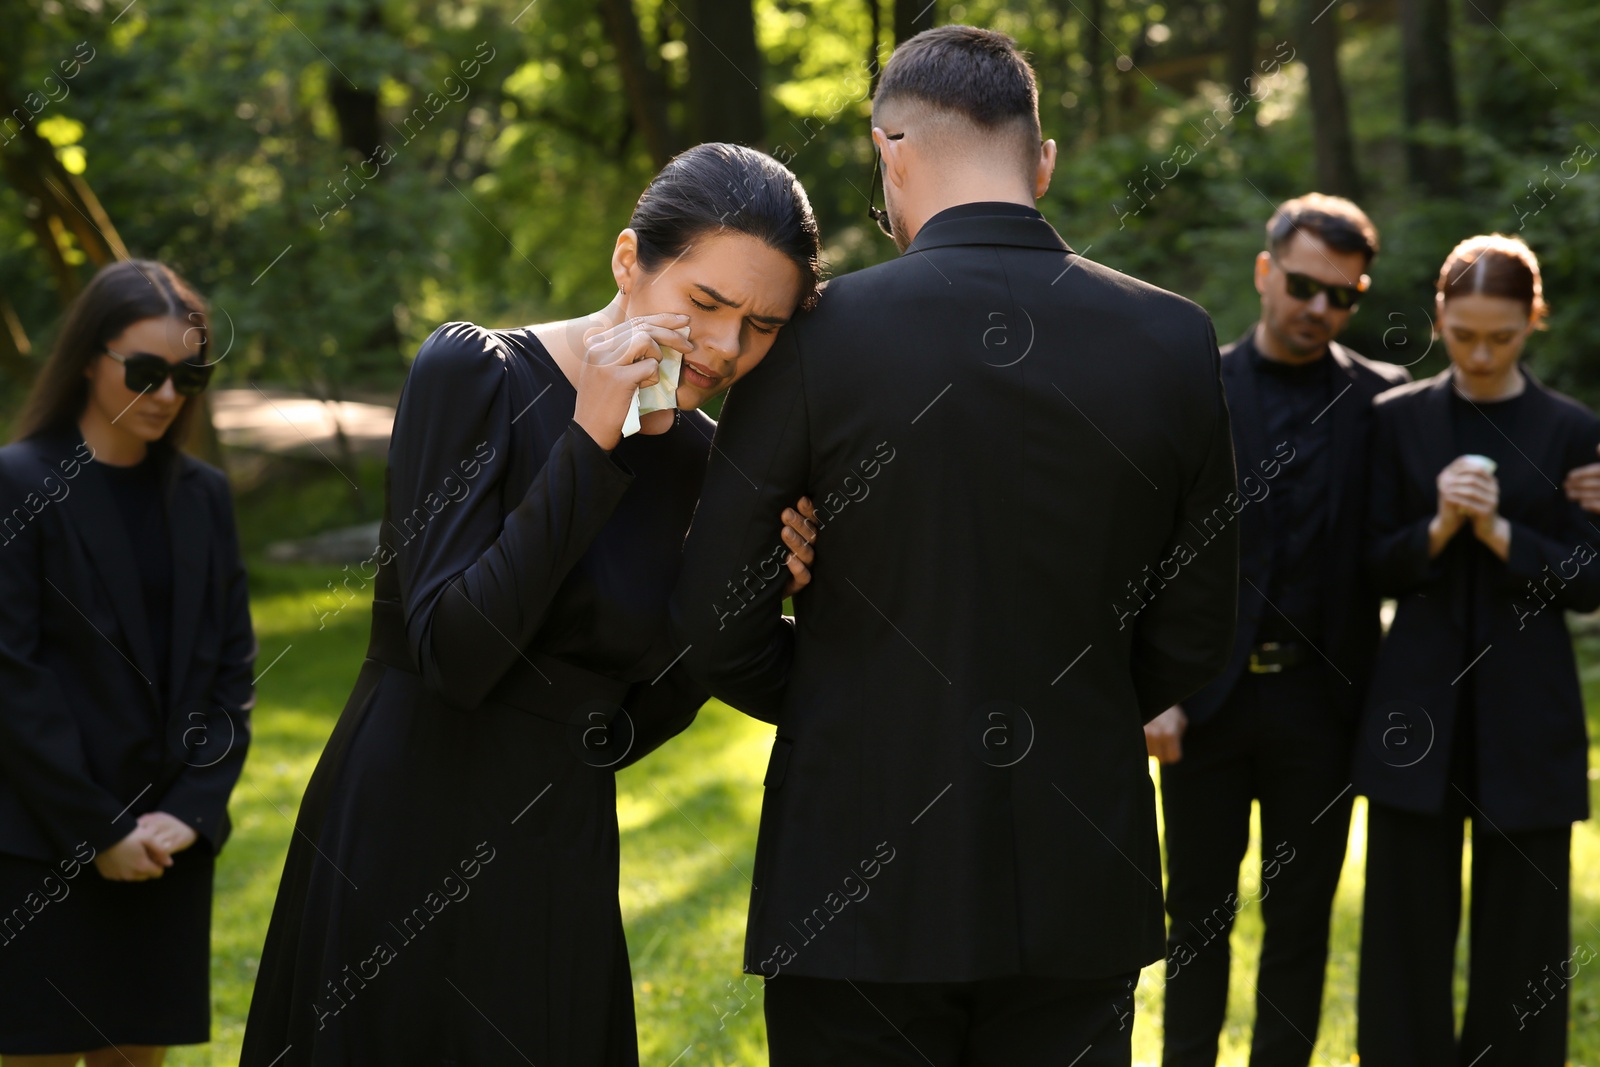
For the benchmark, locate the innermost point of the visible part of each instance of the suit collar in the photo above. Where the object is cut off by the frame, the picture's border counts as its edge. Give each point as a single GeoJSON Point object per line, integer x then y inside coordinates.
{"type": "Point", "coordinates": [988, 223]}
{"type": "Point", "coordinates": [1348, 408]}
{"type": "Point", "coordinates": [1437, 429]}
{"type": "Point", "coordinates": [1244, 400]}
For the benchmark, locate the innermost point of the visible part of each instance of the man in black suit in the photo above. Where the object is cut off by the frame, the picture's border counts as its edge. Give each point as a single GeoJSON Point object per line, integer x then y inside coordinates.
{"type": "Point", "coordinates": [1023, 470]}
{"type": "Point", "coordinates": [1278, 725]}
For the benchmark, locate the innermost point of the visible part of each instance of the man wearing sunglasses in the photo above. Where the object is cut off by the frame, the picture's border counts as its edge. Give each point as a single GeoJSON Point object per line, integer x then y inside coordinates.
{"type": "Point", "coordinates": [1277, 725]}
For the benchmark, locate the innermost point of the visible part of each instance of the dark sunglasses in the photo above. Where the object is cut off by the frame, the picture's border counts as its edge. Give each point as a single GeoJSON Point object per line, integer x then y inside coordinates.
{"type": "Point", "coordinates": [143, 372]}
{"type": "Point", "coordinates": [879, 215]}
{"type": "Point", "coordinates": [1305, 287]}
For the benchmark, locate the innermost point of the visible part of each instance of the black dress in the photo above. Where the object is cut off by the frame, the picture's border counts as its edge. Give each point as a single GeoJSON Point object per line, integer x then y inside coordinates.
{"type": "Point", "coordinates": [450, 895]}
{"type": "Point", "coordinates": [125, 665]}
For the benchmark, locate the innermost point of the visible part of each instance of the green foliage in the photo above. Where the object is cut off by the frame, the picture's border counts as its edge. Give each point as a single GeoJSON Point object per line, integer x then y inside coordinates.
{"type": "Point", "coordinates": [213, 135]}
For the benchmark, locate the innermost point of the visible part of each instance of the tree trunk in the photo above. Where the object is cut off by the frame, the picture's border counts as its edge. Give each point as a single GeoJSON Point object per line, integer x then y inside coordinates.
{"type": "Point", "coordinates": [1428, 95]}
{"type": "Point", "coordinates": [1094, 55]}
{"type": "Point", "coordinates": [642, 83]}
{"type": "Point", "coordinates": [360, 125]}
{"type": "Point", "coordinates": [725, 72]}
{"type": "Point", "coordinates": [15, 348]}
{"type": "Point", "coordinates": [1242, 19]}
{"type": "Point", "coordinates": [874, 63]}
{"type": "Point", "coordinates": [1486, 12]}
{"type": "Point", "coordinates": [1330, 118]}
{"type": "Point", "coordinates": [911, 17]}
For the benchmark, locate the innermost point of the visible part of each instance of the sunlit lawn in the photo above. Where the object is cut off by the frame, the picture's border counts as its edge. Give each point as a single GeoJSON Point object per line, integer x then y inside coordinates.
{"type": "Point", "coordinates": [688, 817]}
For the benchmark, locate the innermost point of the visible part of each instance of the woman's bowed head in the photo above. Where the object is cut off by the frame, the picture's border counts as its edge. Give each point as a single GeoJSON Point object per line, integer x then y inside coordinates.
{"type": "Point", "coordinates": [1490, 298]}
{"type": "Point", "coordinates": [721, 251]}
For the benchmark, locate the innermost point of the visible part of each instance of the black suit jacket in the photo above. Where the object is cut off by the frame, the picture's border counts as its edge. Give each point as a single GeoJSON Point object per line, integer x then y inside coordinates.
{"type": "Point", "coordinates": [1006, 442]}
{"type": "Point", "coordinates": [87, 744]}
{"type": "Point", "coordinates": [1516, 660]}
{"type": "Point", "coordinates": [1351, 629]}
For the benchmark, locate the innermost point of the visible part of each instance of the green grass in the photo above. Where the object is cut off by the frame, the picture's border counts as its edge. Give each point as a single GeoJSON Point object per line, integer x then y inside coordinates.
{"type": "Point", "coordinates": [688, 816]}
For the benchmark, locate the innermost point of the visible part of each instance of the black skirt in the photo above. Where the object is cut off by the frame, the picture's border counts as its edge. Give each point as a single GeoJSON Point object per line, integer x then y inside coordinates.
{"type": "Point", "coordinates": [86, 962]}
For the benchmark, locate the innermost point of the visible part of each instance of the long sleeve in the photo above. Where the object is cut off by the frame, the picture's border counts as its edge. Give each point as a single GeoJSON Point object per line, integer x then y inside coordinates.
{"type": "Point", "coordinates": [728, 606]}
{"type": "Point", "coordinates": [219, 740]}
{"type": "Point", "coordinates": [41, 746]}
{"type": "Point", "coordinates": [476, 580]}
{"type": "Point", "coordinates": [661, 709]}
{"type": "Point", "coordinates": [1397, 546]}
{"type": "Point", "coordinates": [1184, 638]}
{"type": "Point", "coordinates": [1566, 550]}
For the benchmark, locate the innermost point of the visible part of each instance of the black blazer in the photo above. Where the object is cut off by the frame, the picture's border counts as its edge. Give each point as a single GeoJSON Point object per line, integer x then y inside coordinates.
{"type": "Point", "coordinates": [1007, 443]}
{"type": "Point", "coordinates": [87, 744]}
{"type": "Point", "coordinates": [1351, 628]}
{"type": "Point", "coordinates": [1532, 745]}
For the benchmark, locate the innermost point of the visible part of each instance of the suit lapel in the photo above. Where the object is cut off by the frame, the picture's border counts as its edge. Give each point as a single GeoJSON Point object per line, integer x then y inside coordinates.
{"type": "Point", "coordinates": [100, 529]}
{"type": "Point", "coordinates": [1437, 433]}
{"type": "Point", "coordinates": [1244, 402]}
{"type": "Point", "coordinates": [188, 530]}
{"type": "Point", "coordinates": [1347, 409]}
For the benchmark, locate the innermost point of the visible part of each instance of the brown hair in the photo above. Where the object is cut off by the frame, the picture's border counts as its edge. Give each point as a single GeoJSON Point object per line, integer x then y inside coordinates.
{"type": "Point", "coordinates": [1338, 222]}
{"type": "Point", "coordinates": [1495, 265]}
{"type": "Point", "coordinates": [119, 295]}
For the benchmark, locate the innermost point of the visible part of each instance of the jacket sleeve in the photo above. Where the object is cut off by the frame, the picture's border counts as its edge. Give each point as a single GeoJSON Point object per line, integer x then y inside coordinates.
{"type": "Point", "coordinates": [1397, 543]}
{"type": "Point", "coordinates": [477, 576]}
{"type": "Point", "coordinates": [661, 710]}
{"type": "Point", "coordinates": [218, 744]}
{"type": "Point", "coordinates": [1183, 639]}
{"type": "Point", "coordinates": [1567, 548]}
{"type": "Point", "coordinates": [728, 605]}
{"type": "Point", "coordinates": [41, 746]}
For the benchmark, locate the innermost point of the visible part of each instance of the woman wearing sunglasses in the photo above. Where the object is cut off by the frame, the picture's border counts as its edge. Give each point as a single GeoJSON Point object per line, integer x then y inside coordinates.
{"type": "Point", "coordinates": [1475, 711]}
{"type": "Point", "coordinates": [450, 895]}
{"type": "Point", "coordinates": [125, 685]}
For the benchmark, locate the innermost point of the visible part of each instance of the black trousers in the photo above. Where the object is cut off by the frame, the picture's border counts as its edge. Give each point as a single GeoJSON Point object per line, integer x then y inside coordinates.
{"type": "Point", "coordinates": [1003, 1022]}
{"type": "Point", "coordinates": [1520, 958]}
{"type": "Point", "coordinates": [1279, 740]}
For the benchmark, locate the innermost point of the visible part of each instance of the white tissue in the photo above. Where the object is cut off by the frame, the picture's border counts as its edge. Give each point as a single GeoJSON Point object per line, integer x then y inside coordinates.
{"type": "Point", "coordinates": [662, 396]}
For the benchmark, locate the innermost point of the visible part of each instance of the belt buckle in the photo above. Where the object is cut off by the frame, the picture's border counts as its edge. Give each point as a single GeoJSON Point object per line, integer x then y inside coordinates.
{"type": "Point", "coordinates": [1256, 666]}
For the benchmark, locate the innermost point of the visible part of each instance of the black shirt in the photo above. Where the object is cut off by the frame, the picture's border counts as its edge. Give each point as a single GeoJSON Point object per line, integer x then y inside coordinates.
{"type": "Point", "coordinates": [1481, 428]}
{"type": "Point", "coordinates": [137, 492]}
{"type": "Point", "coordinates": [1293, 401]}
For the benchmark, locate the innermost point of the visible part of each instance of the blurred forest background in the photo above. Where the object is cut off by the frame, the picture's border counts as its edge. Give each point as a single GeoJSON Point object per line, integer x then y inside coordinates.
{"type": "Point", "coordinates": [340, 176]}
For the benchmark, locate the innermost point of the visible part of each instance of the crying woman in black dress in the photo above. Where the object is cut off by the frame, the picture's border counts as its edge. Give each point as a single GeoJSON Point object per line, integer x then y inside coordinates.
{"type": "Point", "coordinates": [450, 896]}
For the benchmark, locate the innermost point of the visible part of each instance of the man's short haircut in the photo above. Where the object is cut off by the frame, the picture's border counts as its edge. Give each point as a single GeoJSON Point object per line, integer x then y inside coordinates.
{"type": "Point", "coordinates": [976, 74]}
{"type": "Point", "coordinates": [1337, 222]}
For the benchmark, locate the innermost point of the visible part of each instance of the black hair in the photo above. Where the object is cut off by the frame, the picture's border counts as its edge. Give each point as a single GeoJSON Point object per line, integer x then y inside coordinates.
{"type": "Point", "coordinates": [977, 73]}
{"type": "Point", "coordinates": [728, 187]}
{"type": "Point", "coordinates": [1340, 225]}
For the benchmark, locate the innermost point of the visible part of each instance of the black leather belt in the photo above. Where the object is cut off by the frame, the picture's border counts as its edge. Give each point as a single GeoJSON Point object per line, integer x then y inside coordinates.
{"type": "Point", "coordinates": [1270, 657]}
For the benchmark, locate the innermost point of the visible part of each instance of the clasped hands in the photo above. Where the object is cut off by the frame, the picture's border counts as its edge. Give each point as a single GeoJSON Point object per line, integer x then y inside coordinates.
{"type": "Point", "coordinates": [146, 852]}
{"type": "Point", "coordinates": [1469, 494]}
